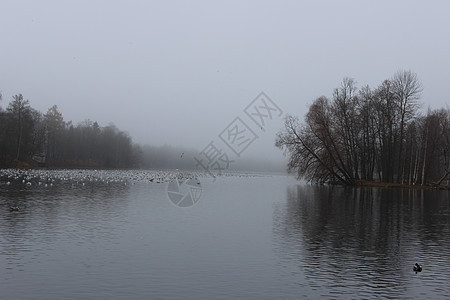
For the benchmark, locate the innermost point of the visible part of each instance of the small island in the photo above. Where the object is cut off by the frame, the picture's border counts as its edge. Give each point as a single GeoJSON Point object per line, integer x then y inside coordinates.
{"type": "Point", "coordinates": [372, 137]}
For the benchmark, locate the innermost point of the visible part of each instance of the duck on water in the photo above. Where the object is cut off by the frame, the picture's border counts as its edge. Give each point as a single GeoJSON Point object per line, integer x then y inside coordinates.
{"type": "Point", "coordinates": [417, 268]}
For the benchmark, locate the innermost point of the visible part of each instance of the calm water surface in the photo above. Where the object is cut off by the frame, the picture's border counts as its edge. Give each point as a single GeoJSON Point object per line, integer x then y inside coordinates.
{"type": "Point", "coordinates": [248, 237]}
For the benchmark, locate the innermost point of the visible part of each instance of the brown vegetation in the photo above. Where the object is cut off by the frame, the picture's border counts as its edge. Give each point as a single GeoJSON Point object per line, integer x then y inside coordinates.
{"type": "Point", "coordinates": [370, 135]}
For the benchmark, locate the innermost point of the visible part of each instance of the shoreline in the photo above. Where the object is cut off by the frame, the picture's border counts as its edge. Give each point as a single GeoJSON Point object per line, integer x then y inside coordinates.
{"type": "Point", "coordinates": [364, 183]}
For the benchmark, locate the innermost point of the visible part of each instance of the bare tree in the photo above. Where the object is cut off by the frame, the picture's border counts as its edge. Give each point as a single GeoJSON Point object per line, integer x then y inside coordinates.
{"type": "Point", "coordinates": [386, 130]}
{"type": "Point", "coordinates": [19, 109]}
{"type": "Point", "coordinates": [367, 143]}
{"type": "Point", "coordinates": [313, 151]}
{"type": "Point", "coordinates": [54, 123]}
{"type": "Point", "coordinates": [358, 134]}
{"type": "Point", "coordinates": [407, 90]}
{"type": "Point", "coordinates": [346, 123]}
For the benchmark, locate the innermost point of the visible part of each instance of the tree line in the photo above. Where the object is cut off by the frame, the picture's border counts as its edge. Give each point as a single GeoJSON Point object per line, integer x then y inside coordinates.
{"type": "Point", "coordinates": [30, 138]}
{"type": "Point", "coordinates": [370, 134]}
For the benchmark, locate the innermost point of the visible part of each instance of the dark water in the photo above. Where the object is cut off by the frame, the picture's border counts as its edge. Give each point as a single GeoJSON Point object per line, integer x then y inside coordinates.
{"type": "Point", "coordinates": [247, 238]}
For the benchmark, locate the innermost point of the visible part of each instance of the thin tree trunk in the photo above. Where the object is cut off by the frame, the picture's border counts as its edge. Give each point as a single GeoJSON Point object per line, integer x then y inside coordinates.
{"type": "Point", "coordinates": [410, 167]}
{"type": "Point", "coordinates": [416, 168]}
{"type": "Point", "coordinates": [424, 159]}
{"type": "Point", "coordinates": [443, 177]}
{"type": "Point", "coordinates": [19, 140]}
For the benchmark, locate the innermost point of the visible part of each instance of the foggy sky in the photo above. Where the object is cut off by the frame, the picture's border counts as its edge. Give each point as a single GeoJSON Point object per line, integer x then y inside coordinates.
{"type": "Point", "coordinates": [178, 72]}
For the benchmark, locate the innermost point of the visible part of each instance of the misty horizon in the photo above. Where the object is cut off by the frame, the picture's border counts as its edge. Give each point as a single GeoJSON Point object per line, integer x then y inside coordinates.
{"type": "Point", "coordinates": [178, 73]}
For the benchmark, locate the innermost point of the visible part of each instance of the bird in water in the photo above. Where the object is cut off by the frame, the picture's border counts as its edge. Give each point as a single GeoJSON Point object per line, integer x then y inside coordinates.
{"type": "Point", "coordinates": [417, 268]}
{"type": "Point", "coordinates": [14, 208]}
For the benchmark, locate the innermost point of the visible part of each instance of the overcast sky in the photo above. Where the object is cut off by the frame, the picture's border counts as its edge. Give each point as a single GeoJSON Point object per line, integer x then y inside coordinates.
{"type": "Point", "coordinates": [178, 72]}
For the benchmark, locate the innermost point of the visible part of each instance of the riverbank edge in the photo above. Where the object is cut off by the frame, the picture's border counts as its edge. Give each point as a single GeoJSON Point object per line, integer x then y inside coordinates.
{"type": "Point", "coordinates": [365, 183]}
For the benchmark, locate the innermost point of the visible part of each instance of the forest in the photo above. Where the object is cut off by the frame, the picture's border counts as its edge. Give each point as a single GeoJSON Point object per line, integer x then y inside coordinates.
{"type": "Point", "coordinates": [370, 134]}
{"type": "Point", "coordinates": [29, 138]}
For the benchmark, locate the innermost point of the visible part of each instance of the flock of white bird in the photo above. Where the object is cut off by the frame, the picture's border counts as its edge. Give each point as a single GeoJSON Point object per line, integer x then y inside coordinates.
{"type": "Point", "coordinates": [48, 178]}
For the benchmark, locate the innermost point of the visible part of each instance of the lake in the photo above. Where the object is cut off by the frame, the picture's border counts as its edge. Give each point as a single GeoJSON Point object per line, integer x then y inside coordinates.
{"type": "Point", "coordinates": [116, 236]}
